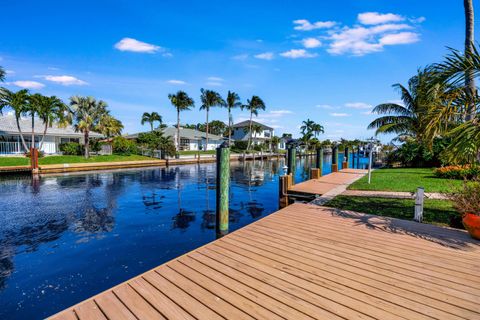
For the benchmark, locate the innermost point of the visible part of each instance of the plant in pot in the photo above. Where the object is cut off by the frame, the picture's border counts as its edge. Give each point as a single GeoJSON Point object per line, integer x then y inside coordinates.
{"type": "Point", "coordinates": [467, 201]}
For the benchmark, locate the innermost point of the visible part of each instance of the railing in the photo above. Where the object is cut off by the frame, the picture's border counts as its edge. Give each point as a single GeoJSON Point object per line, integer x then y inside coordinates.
{"type": "Point", "coordinates": [10, 147]}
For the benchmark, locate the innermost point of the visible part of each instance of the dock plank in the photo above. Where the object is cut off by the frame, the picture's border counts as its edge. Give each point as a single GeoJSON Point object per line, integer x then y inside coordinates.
{"type": "Point", "coordinates": [307, 261]}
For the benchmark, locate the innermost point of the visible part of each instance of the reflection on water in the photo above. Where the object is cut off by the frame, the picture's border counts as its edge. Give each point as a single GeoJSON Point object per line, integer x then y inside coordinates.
{"type": "Point", "coordinates": [65, 238]}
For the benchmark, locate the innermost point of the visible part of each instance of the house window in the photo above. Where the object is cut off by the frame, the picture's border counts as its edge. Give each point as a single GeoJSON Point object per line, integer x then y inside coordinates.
{"type": "Point", "coordinates": [184, 144]}
{"type": "Point", "coordinates": [267, 134]}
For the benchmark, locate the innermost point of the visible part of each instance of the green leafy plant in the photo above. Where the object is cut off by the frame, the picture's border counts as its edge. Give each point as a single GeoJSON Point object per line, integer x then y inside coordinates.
{"type": "Point", "coordinates": [458, 172]}
{"type": "Point", "coordinates": [121, 145]}
{"type": "Point", "coordinates": [71, 148]}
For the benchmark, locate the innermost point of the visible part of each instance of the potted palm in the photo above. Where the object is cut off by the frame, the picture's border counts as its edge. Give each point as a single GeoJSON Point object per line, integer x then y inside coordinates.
{"type": "Point", "coordinates": [467, 201]}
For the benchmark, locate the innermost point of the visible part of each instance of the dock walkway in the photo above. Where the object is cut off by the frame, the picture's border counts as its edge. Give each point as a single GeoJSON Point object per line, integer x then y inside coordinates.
{"type": "Point", "coordinates": [307, 262]}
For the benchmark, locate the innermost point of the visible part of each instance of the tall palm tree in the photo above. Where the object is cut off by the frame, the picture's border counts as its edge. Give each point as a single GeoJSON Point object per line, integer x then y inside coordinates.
{"type": "Point", "coordinates": [307, 126]}
{"type": "Point", "coordinates": [18, 102]}
{"type": "Point", "coordinates": [109, 126]}
{"type": "Point", "coordinates": [49, 110]}
{"type": "Point", "coordinates": [210, 99]}
{"type": "Point", "coordinates": [253, 105]}
{"type": "Point", "coordinates": [469, 44]}
{"type": "Point", "coordinates": [2, 74]}
{"type": "Point", "coordinates": [87, 114]}
{"type": "Point", "coordinates": [274, 141]}
{"type": "Point", "coordinates": [233, 101]}
{"type": "Point", "coordinates": [317, 129]}
{"type": "Point", "coordinates": [182, 102]}
{"type": "Point", "coordinates": [151, 118]}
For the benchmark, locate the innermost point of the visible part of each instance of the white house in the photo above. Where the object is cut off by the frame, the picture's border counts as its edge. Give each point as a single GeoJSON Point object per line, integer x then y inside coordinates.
{"type": "Point", "coordinates": [241, 132]}
{"type": "Point", "coordinates": [190, 139]}
{"type": "Point", "coordinates": [10, 142]}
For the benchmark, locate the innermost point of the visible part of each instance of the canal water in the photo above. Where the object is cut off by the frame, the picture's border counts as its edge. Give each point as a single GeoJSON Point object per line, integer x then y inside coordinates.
{"type": "Point", "coordinates": [65, 238]}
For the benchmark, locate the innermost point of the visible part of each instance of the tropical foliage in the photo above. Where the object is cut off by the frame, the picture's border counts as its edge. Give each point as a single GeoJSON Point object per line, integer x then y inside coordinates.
{"type": "Point", "coordinates": [2, 74]}
{"type": "Point", "coordinates": [210, 99]}
{"type": "Point", "coordinates": [254, 105]}
{"type": "Point", "coordinates": [151, 118]}
{"type": "Point", "coordinates": [233, 102]}
{"type": "Point", "coordinates": [155, 140]}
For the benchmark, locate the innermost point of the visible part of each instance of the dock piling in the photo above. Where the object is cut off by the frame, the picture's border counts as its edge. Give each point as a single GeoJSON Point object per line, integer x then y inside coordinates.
{"type": "Point", "coordinates": [358, 157]}
{"type": "Point", "coordinates": [285, 183]}
{"type": "Point", "coordinates": [345, 159]}
{"type": "Point", "coordinates": [223, 185]}
{"type": "Point", "coordinates": [335, 159]}
{"type": "Point", "coordinates": [291, 157]}
{"type": "Point", "coordinates": [419, 196]}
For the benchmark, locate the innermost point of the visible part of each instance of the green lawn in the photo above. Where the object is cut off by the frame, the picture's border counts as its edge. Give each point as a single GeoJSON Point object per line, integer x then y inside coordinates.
{"type": "Point", "coordinates": [16, 161]}
{"type": "Point", "coordinates": [405, 179]}
{"type": "Point", "coordinates": [193, 152]}
{"type": "Point", "coordinates": [435, 211]}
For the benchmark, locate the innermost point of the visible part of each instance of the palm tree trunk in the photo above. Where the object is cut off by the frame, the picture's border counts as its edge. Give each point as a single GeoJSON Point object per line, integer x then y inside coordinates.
{"type": "Point", "coordinates": [469, 38]}
{"type": "Point", "coordinates": [87, 144]}
{"type": "Point", "coordinates": [206, 146]}
{"type": "Point", "coordinates": [151, 126]}
{"type": "Point", "coordinates": [43, 136]}
{"type": "Point", "coordinates": [21, 135]}
{"type": "Point", "coordinates": [178, 129]}
{"type": "Point", "coordinates": [33, 132]}
{"type": "Point", "coordinates": [250, 132]}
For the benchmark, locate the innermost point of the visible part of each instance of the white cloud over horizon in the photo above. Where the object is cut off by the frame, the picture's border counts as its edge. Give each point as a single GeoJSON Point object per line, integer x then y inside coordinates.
{"type": "Point", "coordinates": [340, 114]}
{"type": "Point", "coordinates": [310, 43]}
{"type": "Point", "coordinates": [28, 84]}
{"type": "Point", "coordinates": [65, 80]}
{"type": "Point", "coordinates": [358, 105]}
{"type": "Point", "coordinates": [133, 45]}
{"type": "Point", "coordinates": [371, 18]}
{"type": "Point", "coordinates": [176, 82]}
{"type": "Point", "coordinates": [305, 25]}
{"type": "Point", "coordinates": [298, 53]}
{"type": "Point", "coordinates": [265, 56]}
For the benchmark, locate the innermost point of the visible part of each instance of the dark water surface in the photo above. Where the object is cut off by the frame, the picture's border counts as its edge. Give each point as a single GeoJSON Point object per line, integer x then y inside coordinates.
{"type": "Point", "coordinates": [65, 238]}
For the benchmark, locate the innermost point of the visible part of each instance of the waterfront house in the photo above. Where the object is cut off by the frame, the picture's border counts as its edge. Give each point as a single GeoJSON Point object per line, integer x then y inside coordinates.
{"type": "Point", "coordinates": [11, 144]}
{"type": "Point", "coordinates": [190, 139]}
{"type": "Point", "coordinates": [241, 132]}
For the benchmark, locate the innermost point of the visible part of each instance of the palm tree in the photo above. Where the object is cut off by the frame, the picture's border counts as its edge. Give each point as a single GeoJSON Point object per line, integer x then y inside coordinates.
{"type": "Point", "coordinates": [110, 126]}
{"type": "Point", "coordinates": [18, 102]}
{"type": "Point", "coordinates": [49, 110]}
{"type": "Point", "coordinates": [233, 101]}
{"type": "Point", "coordinates": [469, 43]}
{"type": "Point", "coordinates": [307, 126]}
{"type": "Point", "coordinates": [274, 141]}
{"type": "Point", "coordinates": [317, 129]}
{"type": "Point", "coordinates": [182, 102]}
{"type": "Point", "coordinates": [2, 74]}
{"type": "Point", "coordinates": [210, 99]}
{"type": "Point", "coordinates": [87, 114]}
{"type": "Point", "coordinates": [151, 118]}
{"type": "Point", "coordinates": [253, 105]}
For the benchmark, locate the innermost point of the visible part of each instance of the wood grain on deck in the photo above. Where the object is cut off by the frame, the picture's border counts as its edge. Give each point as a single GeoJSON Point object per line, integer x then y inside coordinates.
{"type": "Point", "coordinates": [307, 262]}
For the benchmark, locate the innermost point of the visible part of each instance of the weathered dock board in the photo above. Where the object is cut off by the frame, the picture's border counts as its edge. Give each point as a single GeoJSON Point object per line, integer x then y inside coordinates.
{"type": "Point", "coordinates": [328, 182]}
{"type": "Point", "coordinates": [307, 262]}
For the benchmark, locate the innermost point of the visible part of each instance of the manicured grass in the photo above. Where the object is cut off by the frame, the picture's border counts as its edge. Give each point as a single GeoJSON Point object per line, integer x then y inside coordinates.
{"type": "Point", "coordinates": [435, 211]}
{"type": "Point", "coordinates": [193, 152]}
{"type": "Point", "coordinates": [405, 179]}
{"type": "Point", "coordinates": [16, 161]}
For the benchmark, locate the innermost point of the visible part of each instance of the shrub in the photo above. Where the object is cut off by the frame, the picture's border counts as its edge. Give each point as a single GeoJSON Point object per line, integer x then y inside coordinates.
{"type": "Point", "coordinates": [155, 140]}
{"type": "Point", "coordinates": [415, 154]}
{"type": "Point", "coordinates": [71, 148]}
{"type": "Point", "coordinates": [240, 145]}
{"type": "Point", "coordinates": [467, 199]}
{"type": "Point", "coordinates": [121, 145]}
{"type": "Point", "coordinates": [458, 172]}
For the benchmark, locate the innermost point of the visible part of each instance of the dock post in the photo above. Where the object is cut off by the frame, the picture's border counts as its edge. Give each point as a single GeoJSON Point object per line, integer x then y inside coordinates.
{"type": "Point", "coordinates": [345, 159]}
{"type": "Point", "coordinates": [291, 157]}
{"type": "Point", "coordinates": [358, 157]}
{"type": "Point", "coordinates": [335, 159]}
{"type": "Point", "coordinates": [316, 172]}
{"type": "Point", "coordinates": [34, 160]}
{"type": "Point", "coordinates": [223, 184]}
{"type": "Point", "coordinates": [285, 183]}
{"type": "Point", "coordinates": [419, 205]}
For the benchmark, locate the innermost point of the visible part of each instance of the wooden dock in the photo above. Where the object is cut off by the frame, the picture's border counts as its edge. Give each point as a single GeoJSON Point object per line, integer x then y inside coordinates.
{"type": "Point", "coordinates": [307, 262]}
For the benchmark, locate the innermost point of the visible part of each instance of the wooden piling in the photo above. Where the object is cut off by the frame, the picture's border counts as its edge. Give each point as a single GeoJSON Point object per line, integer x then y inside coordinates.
{"type": "Point", "coordinates": [319, 161]}
{"type": "Point", "coordinates": [291, 157]}
{"type": "Point", "coordinates": [315, 173]}
{"type": "Point", "coordinates": [34, 160]}
{"type": "Point", "coordinates": [223, 184]}
{"type": "Point", "coordinates": [285, 183]}
{"type": "Point", "coordinates": [345, 159]}
{"type": "Point", "coordinates": [358, 157]}
{"type": "Point", "coordinates": [334, 159]}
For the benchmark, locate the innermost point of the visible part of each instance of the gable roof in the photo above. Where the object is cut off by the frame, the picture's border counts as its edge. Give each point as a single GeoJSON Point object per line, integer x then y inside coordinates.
{"type": "Point", "coordinates": [246, 123]}
{"type": "Point", "coordinates": [8, 126]}
{"type": "Point", "coordinates": [184, 133]}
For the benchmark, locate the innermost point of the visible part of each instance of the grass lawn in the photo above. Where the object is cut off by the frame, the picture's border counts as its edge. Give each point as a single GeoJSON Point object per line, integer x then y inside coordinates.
{"type": "Point", "coordinates": [405, 179]}
{"type": "Point", "coordinates": [193, 152]}
{"type": "Point", "coordinates": [16, 161]}
{"type": "Point", "coordinates": [435, 211]}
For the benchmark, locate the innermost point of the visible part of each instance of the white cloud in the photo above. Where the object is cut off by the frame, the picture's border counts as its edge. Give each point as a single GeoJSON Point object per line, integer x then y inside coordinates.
{"type": "Point", "coordinates": [325, 106]}
{"type": "Point", "coordinates": [305, 25]}
{"type": "Point", "coordinates": [176, 82]}
{"type": "Point", "coordinates": [65, 80]}
{"type": "Point", "coordinates": [27, 84]}
{"type": "Point", "coordinates": [311, 43]}
{"type": "Point", "coordinates": [297, 53]}
{"type": "Point", "coordinates": [371, 18]}
{"type": "Point", "coordinates": [418, 20]}
{"type": "Point", "coordinates": [240, 57]}
{"type": "Point", "coordinates": [367, 113]}
{"type": "Point", "coordinates": [280, 112]}
{"type": "Point", "coordinates": [399, 38]}
{"type": "Point", "coordinates": [133, 45]}
{"type": "Point", "coordinates": [214, 84]}
{"type": "Point", "coordinates": [265, 56]}
{"type": "Point", "coordinates": [338, 114]}
{"type": "Point", "coordinates": [9, 72]}
{"type": "Point", "coordinates": [358, 105]}
{"type": "Point", "coordinates": [216, 79]}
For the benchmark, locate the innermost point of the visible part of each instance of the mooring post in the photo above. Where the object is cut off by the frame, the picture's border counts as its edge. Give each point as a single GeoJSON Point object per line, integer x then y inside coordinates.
{"type": "Point", "coordinates": [316, 173]}
{"type": "Point", "coordinates": [285, 183]}
{"type": "Point", "coordinates": [358, 157]}
{"type": "Point", "coordinates": [345, 158]}
{"type": "Point", "coordinates": [291, 157]}
{"type": "Point", "coordinates": [223, 185]}
{"type": "Point", "coordinates": [419, 205]}
{"type": "Point", "coordinates": [34, 160]}
{"type": "Point", "coordinates": [335, 159]}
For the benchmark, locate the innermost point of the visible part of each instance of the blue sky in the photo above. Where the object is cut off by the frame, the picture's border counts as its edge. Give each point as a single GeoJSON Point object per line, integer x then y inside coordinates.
{"type": "Point", "coordinates": [329, 61]}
